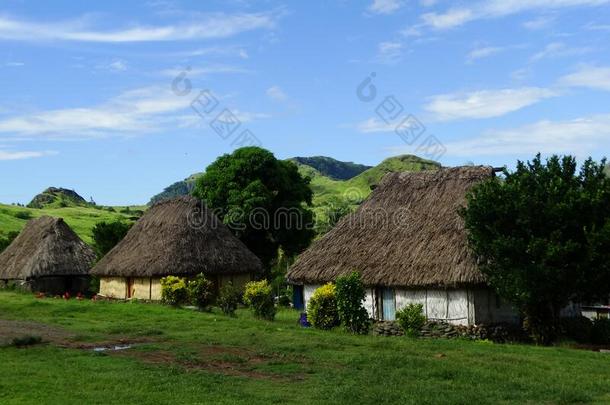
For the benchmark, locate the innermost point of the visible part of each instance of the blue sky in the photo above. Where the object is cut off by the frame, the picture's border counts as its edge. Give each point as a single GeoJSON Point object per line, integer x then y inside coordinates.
{"type": "Point", "coordinates": [89, 99]}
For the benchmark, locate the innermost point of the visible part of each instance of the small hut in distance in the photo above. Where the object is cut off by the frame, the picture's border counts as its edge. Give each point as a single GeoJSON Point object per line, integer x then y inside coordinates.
{"type": "Point", "coordinates": [177, 237]}
{"type": "Point", "coordinates": [409, 244]}
{"type": "Point", "coordinates": [47, 256]}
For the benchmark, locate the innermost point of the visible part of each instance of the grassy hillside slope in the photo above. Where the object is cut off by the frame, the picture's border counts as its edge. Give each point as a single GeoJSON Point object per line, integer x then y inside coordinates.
{"type": "Point", "coordinates": [80, 219]}
{"type": "Point", "coordinates": [359, 187]}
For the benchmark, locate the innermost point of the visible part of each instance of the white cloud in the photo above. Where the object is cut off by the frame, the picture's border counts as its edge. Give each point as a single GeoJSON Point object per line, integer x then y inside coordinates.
{"type": "Point", "coordinates": [457, 16]}
{"type": "Point", "coordinates": [559, 49]}
{"type": "Point", "coordinates": [204, 70]}
{"type": "Point", "coordinates": [208, 26]}
{"type": "Point", "coordinates": [117, 66]}
{"type": "Point", "coordinates": [6, 155]}
{"type": "Point", "coordinates": [276, 93]}
{"type": "Point", "coordinates": [140, 111]}
{"type": "Point", "coordinates": [452, 18]}
{"type": "Point", "coordinates": [14, 64]}
{"type": "Point", "coordinates": [588, 76]}
{"type": "Point", "coordinates": [385, 6]}
{"type": "Point", "coordinates": [374, 125]}
{"type": "Point", "coordinates": [539, 23]}
{"type": "Point", "coordinates": [581, 136]}
{"type": "Point", "coordinates": [485, 103]}
{"type": "Point", "coordinates": [483, 52]}
{"type": "Point", "coordinates": [389, 52]}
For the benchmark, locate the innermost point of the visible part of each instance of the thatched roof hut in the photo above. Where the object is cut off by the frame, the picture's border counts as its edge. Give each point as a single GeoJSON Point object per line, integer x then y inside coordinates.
{"type": "Point", "coordinates": [177, 237]}
{"type": "Point", "coordinates": [407, 234]}
{"type": "Point", "coordinates": [45, 248]}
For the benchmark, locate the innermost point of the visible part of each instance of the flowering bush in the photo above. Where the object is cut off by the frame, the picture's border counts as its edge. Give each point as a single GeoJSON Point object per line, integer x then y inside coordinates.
{"type": "Point", "coordinates": [350, 294]}
{"type": "Point", "coordinates": [173, 290]}
{"type": "Point", "coordinates": [411, 319]}
{"type": "Point", "coordinates": [228, 299]}
{"type": "Point", "coordinates": [259, 297]}
{"type": "Point", "coordinates": [200, 291]}
{"type": "Point", "coordinates": [322, 307]}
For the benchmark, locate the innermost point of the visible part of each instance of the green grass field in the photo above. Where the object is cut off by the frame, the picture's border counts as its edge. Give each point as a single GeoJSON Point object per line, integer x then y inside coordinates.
{"type": "Point", "coordinates": [183, 356]}
{"type": "Point", "coordinates": [80, 219]}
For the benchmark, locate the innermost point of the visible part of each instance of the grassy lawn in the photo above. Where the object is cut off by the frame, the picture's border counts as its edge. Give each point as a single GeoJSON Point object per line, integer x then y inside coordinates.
{"type": "Point", "coordinates": [183, 356]}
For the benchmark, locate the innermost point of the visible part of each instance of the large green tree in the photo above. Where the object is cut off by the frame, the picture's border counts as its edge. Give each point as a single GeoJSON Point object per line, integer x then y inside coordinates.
{"type": "Point", "coordinates": [542, 235]}
{"type": "Point", "coordinates": [263, 200]}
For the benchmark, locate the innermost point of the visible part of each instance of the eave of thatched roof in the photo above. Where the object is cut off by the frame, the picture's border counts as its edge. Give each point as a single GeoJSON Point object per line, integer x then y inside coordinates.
{"type": "Point", "coordinates": [407, 234]}
{"type": "Point", "coordinates": [45, 247]}
{"type": "Point", "coordinates": [178, 237]}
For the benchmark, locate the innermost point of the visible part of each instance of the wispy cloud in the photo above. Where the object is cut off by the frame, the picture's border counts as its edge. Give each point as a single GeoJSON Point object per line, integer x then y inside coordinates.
{"type": "Point", "coordinates": [204, 70]}
{"type": "Point", "coordinates": [385, 6]}
{"type": "Point", "coordinates": [457, 16]}
{"type": "Point", "coordinates": [483, 52]}
{"type": "Point", "coordinates": [276, 93]}
{"type": "Point", "coordinates": [208, 26]}
{"type": "Point", "coordinates": [581, 136]}
{"type": "Point", "coordinates": [140, 110]}
{"type": "Point", "coordinates": [485, 103]}
{"type": "Point", "coordinates": [539, 23]}
{"type": "Point", "coordinates": [374, 125]}
{"type": "Point", "coordinates": [20, 155]}
{"type": "Point", "coordinates": [14, 64]}
{"type": "Point", "coordinates": [389, 52]}
{"type": "Point", "coordinates": [559, 49]}
{"type": "Point", "coordinates": [116, 66]}
{"type": "Point", "coordinates": [588, 76]}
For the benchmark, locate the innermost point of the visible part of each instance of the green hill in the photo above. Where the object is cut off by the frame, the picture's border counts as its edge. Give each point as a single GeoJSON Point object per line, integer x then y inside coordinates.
{"type": "Point", "coordinates": [358, 188]}
{"type": "Point", "coordinates": [57, 197]}
{"type": "Point", "coordinates": [179, 188]}
{"type": "Point", "coordinates": [332, 168]}
{"type": "Point", "coordinates": [81, 219]}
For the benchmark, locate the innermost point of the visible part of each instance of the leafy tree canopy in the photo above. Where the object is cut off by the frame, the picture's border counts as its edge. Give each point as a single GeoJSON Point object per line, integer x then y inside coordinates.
{"type": "Point", "coordinates": [262, 199]}
{"type": "Point", "coordinates": [107, 235]}
{"type": "Point", "coordinates": [542, 235]}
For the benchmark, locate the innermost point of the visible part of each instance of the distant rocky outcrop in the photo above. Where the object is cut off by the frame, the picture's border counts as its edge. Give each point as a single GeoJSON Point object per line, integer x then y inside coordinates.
{"type": "Point", "coordinates": [332, 168]}
{"type": "Point", "coordinates": [57, 197]}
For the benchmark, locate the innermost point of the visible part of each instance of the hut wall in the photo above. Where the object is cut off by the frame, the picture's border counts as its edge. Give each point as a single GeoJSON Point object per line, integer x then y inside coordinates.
{"type": "Point", "coordinates": [238, 280]}
{"type": "Point", "coordinates": [369, 302]}
{"type": "Point", "coordinates": [308, 290]}
{"type": "Point", "coordinates": [451, 306]}
{"type": "Point", "coordinates": [490, 308]}
{"type": "Point", "coordinates": [155, 289]}
{"type": "Point", "coordinates": [113, 287]}
{"type": "Point", "coordinates": [140, 288]}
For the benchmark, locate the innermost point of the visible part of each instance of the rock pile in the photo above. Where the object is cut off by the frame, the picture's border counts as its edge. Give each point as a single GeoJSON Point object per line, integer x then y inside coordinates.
{"type": "Point", "coordinates": [387, 328]}
{"type": "Point", "coordinates": [434, 329]}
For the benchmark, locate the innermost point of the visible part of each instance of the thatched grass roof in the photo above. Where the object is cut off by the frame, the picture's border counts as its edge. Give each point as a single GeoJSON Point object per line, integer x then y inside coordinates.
{"type": "Point", "coordinates": [46, 247]}
{"type": "Point", "coordinates": [407, 233]}
{"type": "Point", "coordinates": [178, 237]}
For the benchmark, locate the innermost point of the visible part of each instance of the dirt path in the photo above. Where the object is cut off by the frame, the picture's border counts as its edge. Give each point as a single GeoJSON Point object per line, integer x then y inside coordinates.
{"type": "Point", "coordinates": [10, 330]}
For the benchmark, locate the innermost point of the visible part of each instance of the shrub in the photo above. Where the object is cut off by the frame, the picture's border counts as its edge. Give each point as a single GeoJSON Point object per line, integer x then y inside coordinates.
{"type": "Point", "coordinates": [28, 340]}
{"type": "Point", "coordinates": [350, 294]}
{"type": "Point", "coordinates": [229, 298]}
{"type": "Point", "coordinates": [322, 308]}
{"type": "Point", "coordinates": [173, 290]}
{"type": "Point", "coordinates": [259, 297]}
{"type": "Point", "coordinates": [411, 319]}
{"type": "Point", "coordinates": [600, 333]}
{"type": "Point", "coordinates": [200, 291]}
{"type": "Point", "coordinates": [577, 328]}
{"type": "Point", "coordinates": [23, 215]}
